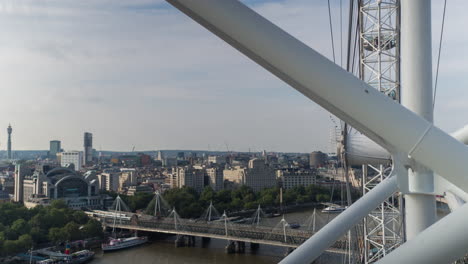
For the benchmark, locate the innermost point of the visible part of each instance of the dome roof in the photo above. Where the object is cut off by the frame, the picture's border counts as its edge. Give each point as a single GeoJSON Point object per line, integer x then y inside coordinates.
{"type": "Point", "coordinates": [59, 173]}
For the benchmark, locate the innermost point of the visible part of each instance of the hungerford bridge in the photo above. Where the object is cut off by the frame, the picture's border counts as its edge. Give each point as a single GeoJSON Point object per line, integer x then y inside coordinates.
{"type": "Point", "coordinates": [259, 229]}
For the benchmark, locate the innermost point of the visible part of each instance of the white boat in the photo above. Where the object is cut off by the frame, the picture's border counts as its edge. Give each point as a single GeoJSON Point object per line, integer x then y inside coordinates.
{"type": "Point", "coordinates": [333, 209]}
{"type": "Point", "coordinates": [123, 243]}
{"type": "Point", "coordinates": [117, 243]}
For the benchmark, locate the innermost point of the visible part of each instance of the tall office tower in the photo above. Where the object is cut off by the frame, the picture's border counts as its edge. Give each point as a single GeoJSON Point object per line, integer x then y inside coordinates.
{"type": "Point", "coordinates": [88, 148]}
{"type": "Point", "coordinates": [9, 130]}
{"type": "Point", "coordinates": [55, 147]}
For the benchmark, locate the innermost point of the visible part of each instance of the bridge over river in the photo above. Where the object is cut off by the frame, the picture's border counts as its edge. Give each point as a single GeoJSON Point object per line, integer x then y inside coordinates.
{"type": "Point", "coordinates": [281, 234]}
{"type": "Point", "coordinates": [259, 229]}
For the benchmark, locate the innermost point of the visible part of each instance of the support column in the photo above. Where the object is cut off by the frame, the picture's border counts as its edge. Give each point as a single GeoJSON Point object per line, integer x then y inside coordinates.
{"type": "Point", "coordinates": [420, 207]}
{"type": "Point", "coordinates": [231, 247]}
{"type": "Point", "coordinates": [205, 240]}
{"type": "Point", "coordinates": [180, 241]}
{"type": "Point", "coordinates": [239, 246]}
{"type": "Point", "coordinates": [254, 246]}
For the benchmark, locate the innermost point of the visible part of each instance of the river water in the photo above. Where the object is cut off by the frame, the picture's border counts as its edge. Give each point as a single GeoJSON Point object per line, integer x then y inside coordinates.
{"type": "Point", "coordinates": [164, 251]}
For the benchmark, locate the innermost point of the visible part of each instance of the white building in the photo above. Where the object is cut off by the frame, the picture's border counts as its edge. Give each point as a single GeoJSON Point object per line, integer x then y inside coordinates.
{"type": "Point", "coordinates": [128, 177]}
{"type": "Point", "coordinates": [72, 157]}
{"type": "Point", "coordinates": [20, 173]}
{"type": "Point", "coordinates": [216, 179]}
{"type": "Point", "coordinates": [290, 179]}
{"type": "Point", "coordinates": [190, 177]}
{"type": "Point", "coordinates": [257, 175]}
{"type": "Point", "coordinates": [109, 181]}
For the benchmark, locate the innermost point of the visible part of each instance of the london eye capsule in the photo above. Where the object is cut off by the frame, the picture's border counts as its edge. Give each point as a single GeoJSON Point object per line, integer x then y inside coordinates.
{"type": "Point", "coordinates": [372, 43]}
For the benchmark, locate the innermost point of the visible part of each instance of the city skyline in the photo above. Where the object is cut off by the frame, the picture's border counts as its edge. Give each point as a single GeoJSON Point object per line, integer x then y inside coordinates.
{"type": "Point", "coordinates": [134, 82]}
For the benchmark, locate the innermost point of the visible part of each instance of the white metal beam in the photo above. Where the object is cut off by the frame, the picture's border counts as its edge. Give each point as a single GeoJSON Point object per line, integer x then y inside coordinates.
{"type": "Point", "coordinates": [341, 93]}
{"type": "Point", "coordinates": [462, 134]}
{"type": "Point", "coordinates": [443, 242]}
{"type": "Point", "coordinates": [416, 95]}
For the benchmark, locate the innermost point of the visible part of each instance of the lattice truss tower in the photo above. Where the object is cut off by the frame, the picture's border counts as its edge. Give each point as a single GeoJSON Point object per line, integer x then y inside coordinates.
{"type": "Point", "coordinates": [379, 37]}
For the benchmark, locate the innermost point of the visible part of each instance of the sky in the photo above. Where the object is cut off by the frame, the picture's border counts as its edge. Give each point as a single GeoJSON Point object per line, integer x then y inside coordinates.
{"type": "Point", "coordinates": [138, 73]}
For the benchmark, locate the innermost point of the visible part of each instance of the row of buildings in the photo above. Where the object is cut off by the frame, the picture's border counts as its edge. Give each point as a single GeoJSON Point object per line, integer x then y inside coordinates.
{"type": "Point", "coordinates": [87, 187]}
{"type": "Point", "coordinates": [257, 175]}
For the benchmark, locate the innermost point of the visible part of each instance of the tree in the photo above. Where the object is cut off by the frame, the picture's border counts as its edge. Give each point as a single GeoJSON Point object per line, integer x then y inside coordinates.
{"type": "Point", "coordinates": [9, 212]}
{"type": "Point", "coordinates": [57, 235]}
{"type": "Point", "coordinates": [56, 217]}
{"type": "Point", "coordinates": [10, 234]}
{"type": "Point", "coordinates": [249, 197]}
{"type": "Point", "coordinates": [80, 217]}
{"type": "Point", "coordinates": [20, 227]}
{"type": "Point", "coordinates": [93, 228]}
{"type": "Point", "coordinates": [251, 205]}
{"type": "Point", "coordinates": [268, 196]}
{"type": "Point", "coordinates": [39, 221]}
{"type": "Point", "coordinates": [58, 204]}
{"type": "Point", "coordinates": [38, 235]}
{"type": "Point", "coordinates": [2, 241]}
{"type": "Point", "coordinates": [185, 200]}
{"type": "Point", "coordinates": [289, 196]}
{"type": "Point", "coordinates": [207, 195]}
{"type": "Point", "coordinates": [9, 247]}
{"type": "Point", "coordinates": [72, 230]}
{"type": "Point", "coordinates": [236, 204]}
{"type": "Point", "coordinates": [302, 199]}
{"type": "Point", "coordinates": [267, 199]}
{"type": "Point", "coordinates": [223, 196]}
{"type": "Point", "coordinates": [191, 211]}
{"type": "Point", "coordinates": [24, 242]}
{"type": "Point", "coordinates": [322, 197]}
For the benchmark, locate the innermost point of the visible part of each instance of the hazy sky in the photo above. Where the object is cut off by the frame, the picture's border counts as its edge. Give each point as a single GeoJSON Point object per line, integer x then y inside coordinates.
{"type": "Point", "coordinates": [139, 73]}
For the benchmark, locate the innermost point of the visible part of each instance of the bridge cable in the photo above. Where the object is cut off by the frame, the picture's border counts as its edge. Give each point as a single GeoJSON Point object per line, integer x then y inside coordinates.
{"type": "Point", "coordinates": [341, 33]}
{"type": "Point", "coordinates": [331, 30]}
{"type": "Point", "coordinates": [438, 56]}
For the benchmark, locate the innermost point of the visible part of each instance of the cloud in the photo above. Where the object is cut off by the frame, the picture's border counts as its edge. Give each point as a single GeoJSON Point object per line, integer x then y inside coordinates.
{"type": "Point", "coordinates": [138, 72]}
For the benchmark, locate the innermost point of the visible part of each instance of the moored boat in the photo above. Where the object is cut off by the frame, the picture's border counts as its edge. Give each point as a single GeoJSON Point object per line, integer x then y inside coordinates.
{"type": "Point", "coordinates": [334, 209]}
{"type": "Point", "coordinates": [74, 258]}
{"type": "Point", "coordinates": [123, 243]}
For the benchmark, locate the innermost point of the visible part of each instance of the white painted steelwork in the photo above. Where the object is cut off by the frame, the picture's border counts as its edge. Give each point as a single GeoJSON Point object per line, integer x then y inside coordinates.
{"type": "Point", "coordinates": [462, 134]}
{"type": "Point", "coordinates": [443, 242]}
{"type": "Point", "coordinates": [383, 227]}
{"type": "Point", "coordinates": [416, 75]}
{"type": "Point", "coordinates": [379, 23]}
{"type": "Point", "coordinates": [349, 99]}
{"type": "Point", "coordinates": [362, 150]}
